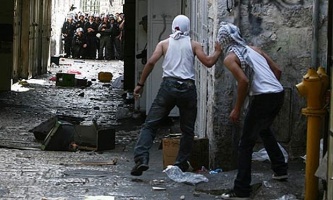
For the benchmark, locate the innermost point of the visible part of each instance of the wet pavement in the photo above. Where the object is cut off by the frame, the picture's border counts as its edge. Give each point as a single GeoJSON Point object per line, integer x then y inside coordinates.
{"type": "Point", "coordinates": [27, 172]}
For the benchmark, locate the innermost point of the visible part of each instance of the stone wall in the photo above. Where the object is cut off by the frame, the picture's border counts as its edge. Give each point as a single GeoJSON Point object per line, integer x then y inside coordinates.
{"type": "Point", "coordinates": [282, 28]}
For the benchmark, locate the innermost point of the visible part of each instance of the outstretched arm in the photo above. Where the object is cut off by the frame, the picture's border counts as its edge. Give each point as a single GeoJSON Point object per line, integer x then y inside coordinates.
{"type": "Point", "coordinates": [208, 61]}
{"type": "Point", "coordinates": [157, 54]}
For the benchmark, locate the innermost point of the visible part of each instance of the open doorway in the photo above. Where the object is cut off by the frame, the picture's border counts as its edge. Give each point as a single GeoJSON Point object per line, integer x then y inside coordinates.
{"type": "Point", "coordinates": [122, 38]}
{"type": "Point", "coordinates": [62, 9]}
{"type": "Point", "coordinates": [37, 34]}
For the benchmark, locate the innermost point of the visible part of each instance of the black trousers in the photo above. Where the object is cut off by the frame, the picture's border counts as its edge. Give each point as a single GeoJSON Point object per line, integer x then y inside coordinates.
{"type": "Point", "coordinates": [262, 111]}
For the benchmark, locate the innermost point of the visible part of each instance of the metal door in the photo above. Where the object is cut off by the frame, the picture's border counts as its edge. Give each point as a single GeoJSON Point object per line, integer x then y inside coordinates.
{"type": "Point", "coordinates": [160, 16]}
{"type": "Point", "coordinates": [16, 40]}
{"type": "Point", "coordinates": [34, 51]}
{"type": "Point", "coordinates": [199, 25]}
{"type": "Point", "coordinates": [45, 35]}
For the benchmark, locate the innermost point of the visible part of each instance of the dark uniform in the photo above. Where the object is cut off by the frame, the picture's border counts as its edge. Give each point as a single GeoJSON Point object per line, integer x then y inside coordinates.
{"type": "Point", "coordinates": [68, 33]}
{"type": "Point", "coordinates": [98, 22]}
{"type": "Point", "coordinates": [79, 44]}
{"type": "Point", "coordinates": [91, 28]}
{"type": "Point", "coordinates": [80, 23]}
{"type": "Point", "coordinates": [105, 40]}
{"type": "Point", "coordinates": [115, 45]}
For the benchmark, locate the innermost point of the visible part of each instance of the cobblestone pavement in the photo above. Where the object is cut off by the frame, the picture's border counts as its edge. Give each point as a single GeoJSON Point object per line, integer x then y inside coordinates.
{"type": "Point", "coordinates": [27, 172]}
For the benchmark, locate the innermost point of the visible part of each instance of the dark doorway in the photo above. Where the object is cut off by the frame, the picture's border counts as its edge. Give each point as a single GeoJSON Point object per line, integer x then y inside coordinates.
{"type": "Point", "coordinates": [129, 46]}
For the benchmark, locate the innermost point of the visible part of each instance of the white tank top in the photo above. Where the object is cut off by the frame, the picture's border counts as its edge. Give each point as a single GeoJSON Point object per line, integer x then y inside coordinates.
{"type": "Point", "coordinates": [179, 59]}
{"type": "Point", "coordinates": [264, 80]}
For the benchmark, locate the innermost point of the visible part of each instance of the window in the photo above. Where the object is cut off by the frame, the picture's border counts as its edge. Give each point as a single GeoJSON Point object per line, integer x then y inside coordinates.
{"type": "Point", "coordinates": [90, 6]}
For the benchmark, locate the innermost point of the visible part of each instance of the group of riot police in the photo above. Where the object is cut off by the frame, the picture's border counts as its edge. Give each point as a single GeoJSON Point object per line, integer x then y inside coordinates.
{"type": "Point", "coordinates": [94, 36]}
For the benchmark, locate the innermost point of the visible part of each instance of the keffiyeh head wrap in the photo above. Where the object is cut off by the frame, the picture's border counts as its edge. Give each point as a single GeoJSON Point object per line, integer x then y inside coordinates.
{"type": "Point", "coordinates": [231, 40]}
{"type": "Point", "coordinates": [180, 27]}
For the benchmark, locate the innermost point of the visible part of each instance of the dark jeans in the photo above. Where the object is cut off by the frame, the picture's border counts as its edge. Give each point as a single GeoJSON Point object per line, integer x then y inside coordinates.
{"type": "Point", "coordinates": [173, 92]}
{"type": "Point", "coordinates": [260, 116]}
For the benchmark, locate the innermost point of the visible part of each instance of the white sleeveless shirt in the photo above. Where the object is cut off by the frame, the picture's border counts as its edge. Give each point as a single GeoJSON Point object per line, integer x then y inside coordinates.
{"type": "Point", "coordinates": [264, 80]}
{"type": "Point", "coordinates": [179, 59]}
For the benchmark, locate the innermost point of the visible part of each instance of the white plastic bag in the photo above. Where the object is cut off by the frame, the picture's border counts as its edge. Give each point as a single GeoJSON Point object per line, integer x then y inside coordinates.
{"type": "Point", "coordinates": [262, 155]}
{"type": "Point", "coordinates": [176, 174]}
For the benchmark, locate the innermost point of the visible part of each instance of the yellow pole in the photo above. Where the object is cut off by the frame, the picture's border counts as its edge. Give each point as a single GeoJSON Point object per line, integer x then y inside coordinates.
{"type": "Point", "coordinates": [312, 152]}
{"type": "Point", "coordinates": [313, 88]}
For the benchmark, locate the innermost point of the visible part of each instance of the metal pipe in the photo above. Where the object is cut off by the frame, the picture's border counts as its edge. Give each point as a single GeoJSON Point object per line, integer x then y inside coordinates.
{"type": "Point", "coordinates": [315, 36]}
{"type": "Point", "coordinates": [329, 38]}
{"type": "Point", "coordinates": [327, 131]}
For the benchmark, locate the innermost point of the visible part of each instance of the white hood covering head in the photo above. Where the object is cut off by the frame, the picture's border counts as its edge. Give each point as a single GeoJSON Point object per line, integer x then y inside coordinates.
{"type": "Point", "coordinates": [180, 27]}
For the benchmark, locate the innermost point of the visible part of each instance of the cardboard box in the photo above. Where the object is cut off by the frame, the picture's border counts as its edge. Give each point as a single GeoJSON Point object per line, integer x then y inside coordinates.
{"type": "Point", "coordinates": [199, 156]}
{"type": "Point", "coordinates": [170, 150]}
{"type": "Point", "coordinates": [105, 76]}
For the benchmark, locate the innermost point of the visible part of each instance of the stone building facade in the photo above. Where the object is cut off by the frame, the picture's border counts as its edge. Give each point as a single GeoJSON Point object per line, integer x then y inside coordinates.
{"type": "Point", "coordinates": [284, 29]}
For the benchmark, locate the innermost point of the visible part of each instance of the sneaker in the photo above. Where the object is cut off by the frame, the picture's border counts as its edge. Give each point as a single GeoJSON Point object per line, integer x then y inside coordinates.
{"type": "Point", "coordinates": [232, 195]}
{"type": "Point", "coordinates": [280, 177]}
{"type": "Point", "coordinates": [139, 167]}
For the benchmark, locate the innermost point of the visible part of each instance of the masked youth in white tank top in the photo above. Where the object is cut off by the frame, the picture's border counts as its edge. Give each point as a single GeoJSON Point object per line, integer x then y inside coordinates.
{"type": "Point", "coordinates": [179, 59]}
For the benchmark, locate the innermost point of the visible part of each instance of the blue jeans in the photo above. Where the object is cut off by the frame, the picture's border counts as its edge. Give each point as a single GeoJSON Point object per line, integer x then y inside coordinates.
{"type": "Point", "coordinates": [173, 92]}
{"type": "Point", "coordinates": [260, 116]}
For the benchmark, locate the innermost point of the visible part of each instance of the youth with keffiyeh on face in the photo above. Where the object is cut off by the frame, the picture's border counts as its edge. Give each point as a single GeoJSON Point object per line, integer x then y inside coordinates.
{"type": "Point", "coordinates": [257, 75]}
{"type": "Point", "coordinates": [177, 89]}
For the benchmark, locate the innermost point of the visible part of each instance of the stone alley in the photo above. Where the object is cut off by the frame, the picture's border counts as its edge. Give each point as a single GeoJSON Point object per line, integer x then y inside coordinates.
{"type": "Point", "coordinates": [27, 172]}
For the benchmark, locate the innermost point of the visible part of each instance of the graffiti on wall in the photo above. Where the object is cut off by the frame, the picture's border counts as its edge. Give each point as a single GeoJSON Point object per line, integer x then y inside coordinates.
{"type": "Point", "coordinates": [283, 4]}
{"type": "Point", "coordinates": [255, 20]}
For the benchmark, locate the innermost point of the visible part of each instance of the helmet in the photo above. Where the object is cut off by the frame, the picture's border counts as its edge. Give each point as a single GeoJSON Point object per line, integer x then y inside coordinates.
{"type": "Point", "coordinates": [79, 30]}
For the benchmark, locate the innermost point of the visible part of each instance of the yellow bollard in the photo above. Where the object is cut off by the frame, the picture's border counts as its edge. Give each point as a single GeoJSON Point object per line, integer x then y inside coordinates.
{"type": "Point", "coordinates": [313, 88]}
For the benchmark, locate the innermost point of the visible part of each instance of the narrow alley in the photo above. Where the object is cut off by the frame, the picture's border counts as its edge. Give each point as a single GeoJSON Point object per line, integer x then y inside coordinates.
{"type": "Point", "coordinates": [27, 172]}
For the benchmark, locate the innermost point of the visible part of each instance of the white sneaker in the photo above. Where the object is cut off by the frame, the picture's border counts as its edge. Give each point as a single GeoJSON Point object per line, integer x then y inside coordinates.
{"type": "Point", "coordinates": [280, 177]}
